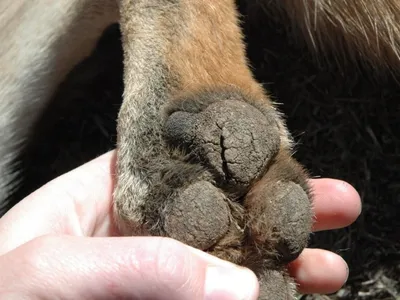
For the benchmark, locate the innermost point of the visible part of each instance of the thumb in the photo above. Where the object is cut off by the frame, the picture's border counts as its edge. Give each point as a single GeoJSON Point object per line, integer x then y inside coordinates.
{"type": "Point", "coordinates": [113, 268]}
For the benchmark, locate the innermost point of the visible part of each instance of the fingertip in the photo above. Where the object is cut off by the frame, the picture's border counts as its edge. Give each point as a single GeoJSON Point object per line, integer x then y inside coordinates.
{"type": "Point", "coordinates": [319, 271]}
{"type": "Point", "coordinates": [225, 280]}
{"type": "Point", "coordinates": [337, 204]}
{"type": "Point", "coordinates": [346, 190]}
{"type": "Point", "coordinates": [188, 273]}
{"type": "Point", "coordinates": [230, 283]}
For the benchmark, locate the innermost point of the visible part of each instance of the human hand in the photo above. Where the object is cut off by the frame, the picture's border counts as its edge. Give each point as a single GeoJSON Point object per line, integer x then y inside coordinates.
{"type": "Point", "coordinates": [61, 242]}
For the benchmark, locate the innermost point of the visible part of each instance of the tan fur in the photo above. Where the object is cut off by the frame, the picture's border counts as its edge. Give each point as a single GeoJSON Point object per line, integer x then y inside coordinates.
{"type": "Point", "coordinates": [367, 31]}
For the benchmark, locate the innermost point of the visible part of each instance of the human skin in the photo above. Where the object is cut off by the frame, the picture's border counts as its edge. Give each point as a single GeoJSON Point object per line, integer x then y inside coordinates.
{"type": "Point", "coordinates": [61, 242]}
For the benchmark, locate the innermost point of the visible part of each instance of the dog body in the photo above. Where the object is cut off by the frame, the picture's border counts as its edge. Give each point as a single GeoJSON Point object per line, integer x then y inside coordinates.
{"type": "Point", "coordinates": [35, 57]}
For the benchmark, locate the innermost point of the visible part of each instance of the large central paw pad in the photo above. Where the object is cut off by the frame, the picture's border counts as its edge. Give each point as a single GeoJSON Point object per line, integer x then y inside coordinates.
{"type": "Point", "coordinates": [232, 138]}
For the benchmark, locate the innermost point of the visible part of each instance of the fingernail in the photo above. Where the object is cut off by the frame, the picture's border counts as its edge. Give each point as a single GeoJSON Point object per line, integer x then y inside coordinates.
{"type": "Point", "coordinates": [233, 283]}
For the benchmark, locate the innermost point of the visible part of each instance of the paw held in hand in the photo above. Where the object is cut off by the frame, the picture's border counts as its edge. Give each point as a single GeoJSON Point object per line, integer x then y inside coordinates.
{"type": "Point", "coordinates": [230, 187]}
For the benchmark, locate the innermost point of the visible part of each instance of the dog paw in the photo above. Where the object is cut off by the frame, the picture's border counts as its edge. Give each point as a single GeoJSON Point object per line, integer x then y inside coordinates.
{"type": "Point", "coordinates": [224, 182]}
{"type": "Point", "coordinates": [251, 190]}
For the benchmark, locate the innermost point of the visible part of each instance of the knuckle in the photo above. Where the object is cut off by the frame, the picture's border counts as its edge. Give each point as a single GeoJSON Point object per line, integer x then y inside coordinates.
{"type": "Point", "coordinates": [39, 249]}
{"type": "Point", "coordinates": [30, 262]}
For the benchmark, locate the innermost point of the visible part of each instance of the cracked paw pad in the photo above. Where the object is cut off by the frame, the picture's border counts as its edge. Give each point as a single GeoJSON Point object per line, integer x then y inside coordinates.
{"type": "Point", "coordinates": [232, 138]}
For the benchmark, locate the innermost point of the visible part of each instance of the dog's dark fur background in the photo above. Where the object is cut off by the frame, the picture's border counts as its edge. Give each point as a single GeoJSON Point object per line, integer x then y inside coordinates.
{"type": "Point", "coordinates": [345, 120]}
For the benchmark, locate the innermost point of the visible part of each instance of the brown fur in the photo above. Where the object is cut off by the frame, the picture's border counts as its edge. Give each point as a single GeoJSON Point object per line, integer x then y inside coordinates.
{"type": "Point", "coordinates": [190, 65]}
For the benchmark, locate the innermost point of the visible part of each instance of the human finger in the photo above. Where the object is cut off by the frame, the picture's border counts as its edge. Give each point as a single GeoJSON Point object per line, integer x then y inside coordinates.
{"type": "Point", "coordinates": [319, 271]}
{"type": "Point", "coordinates": [69, 267]}
{"type": "Point", "coordinates": [76, 203]}
{"type": "Point", "coordinates": [336, 204]}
